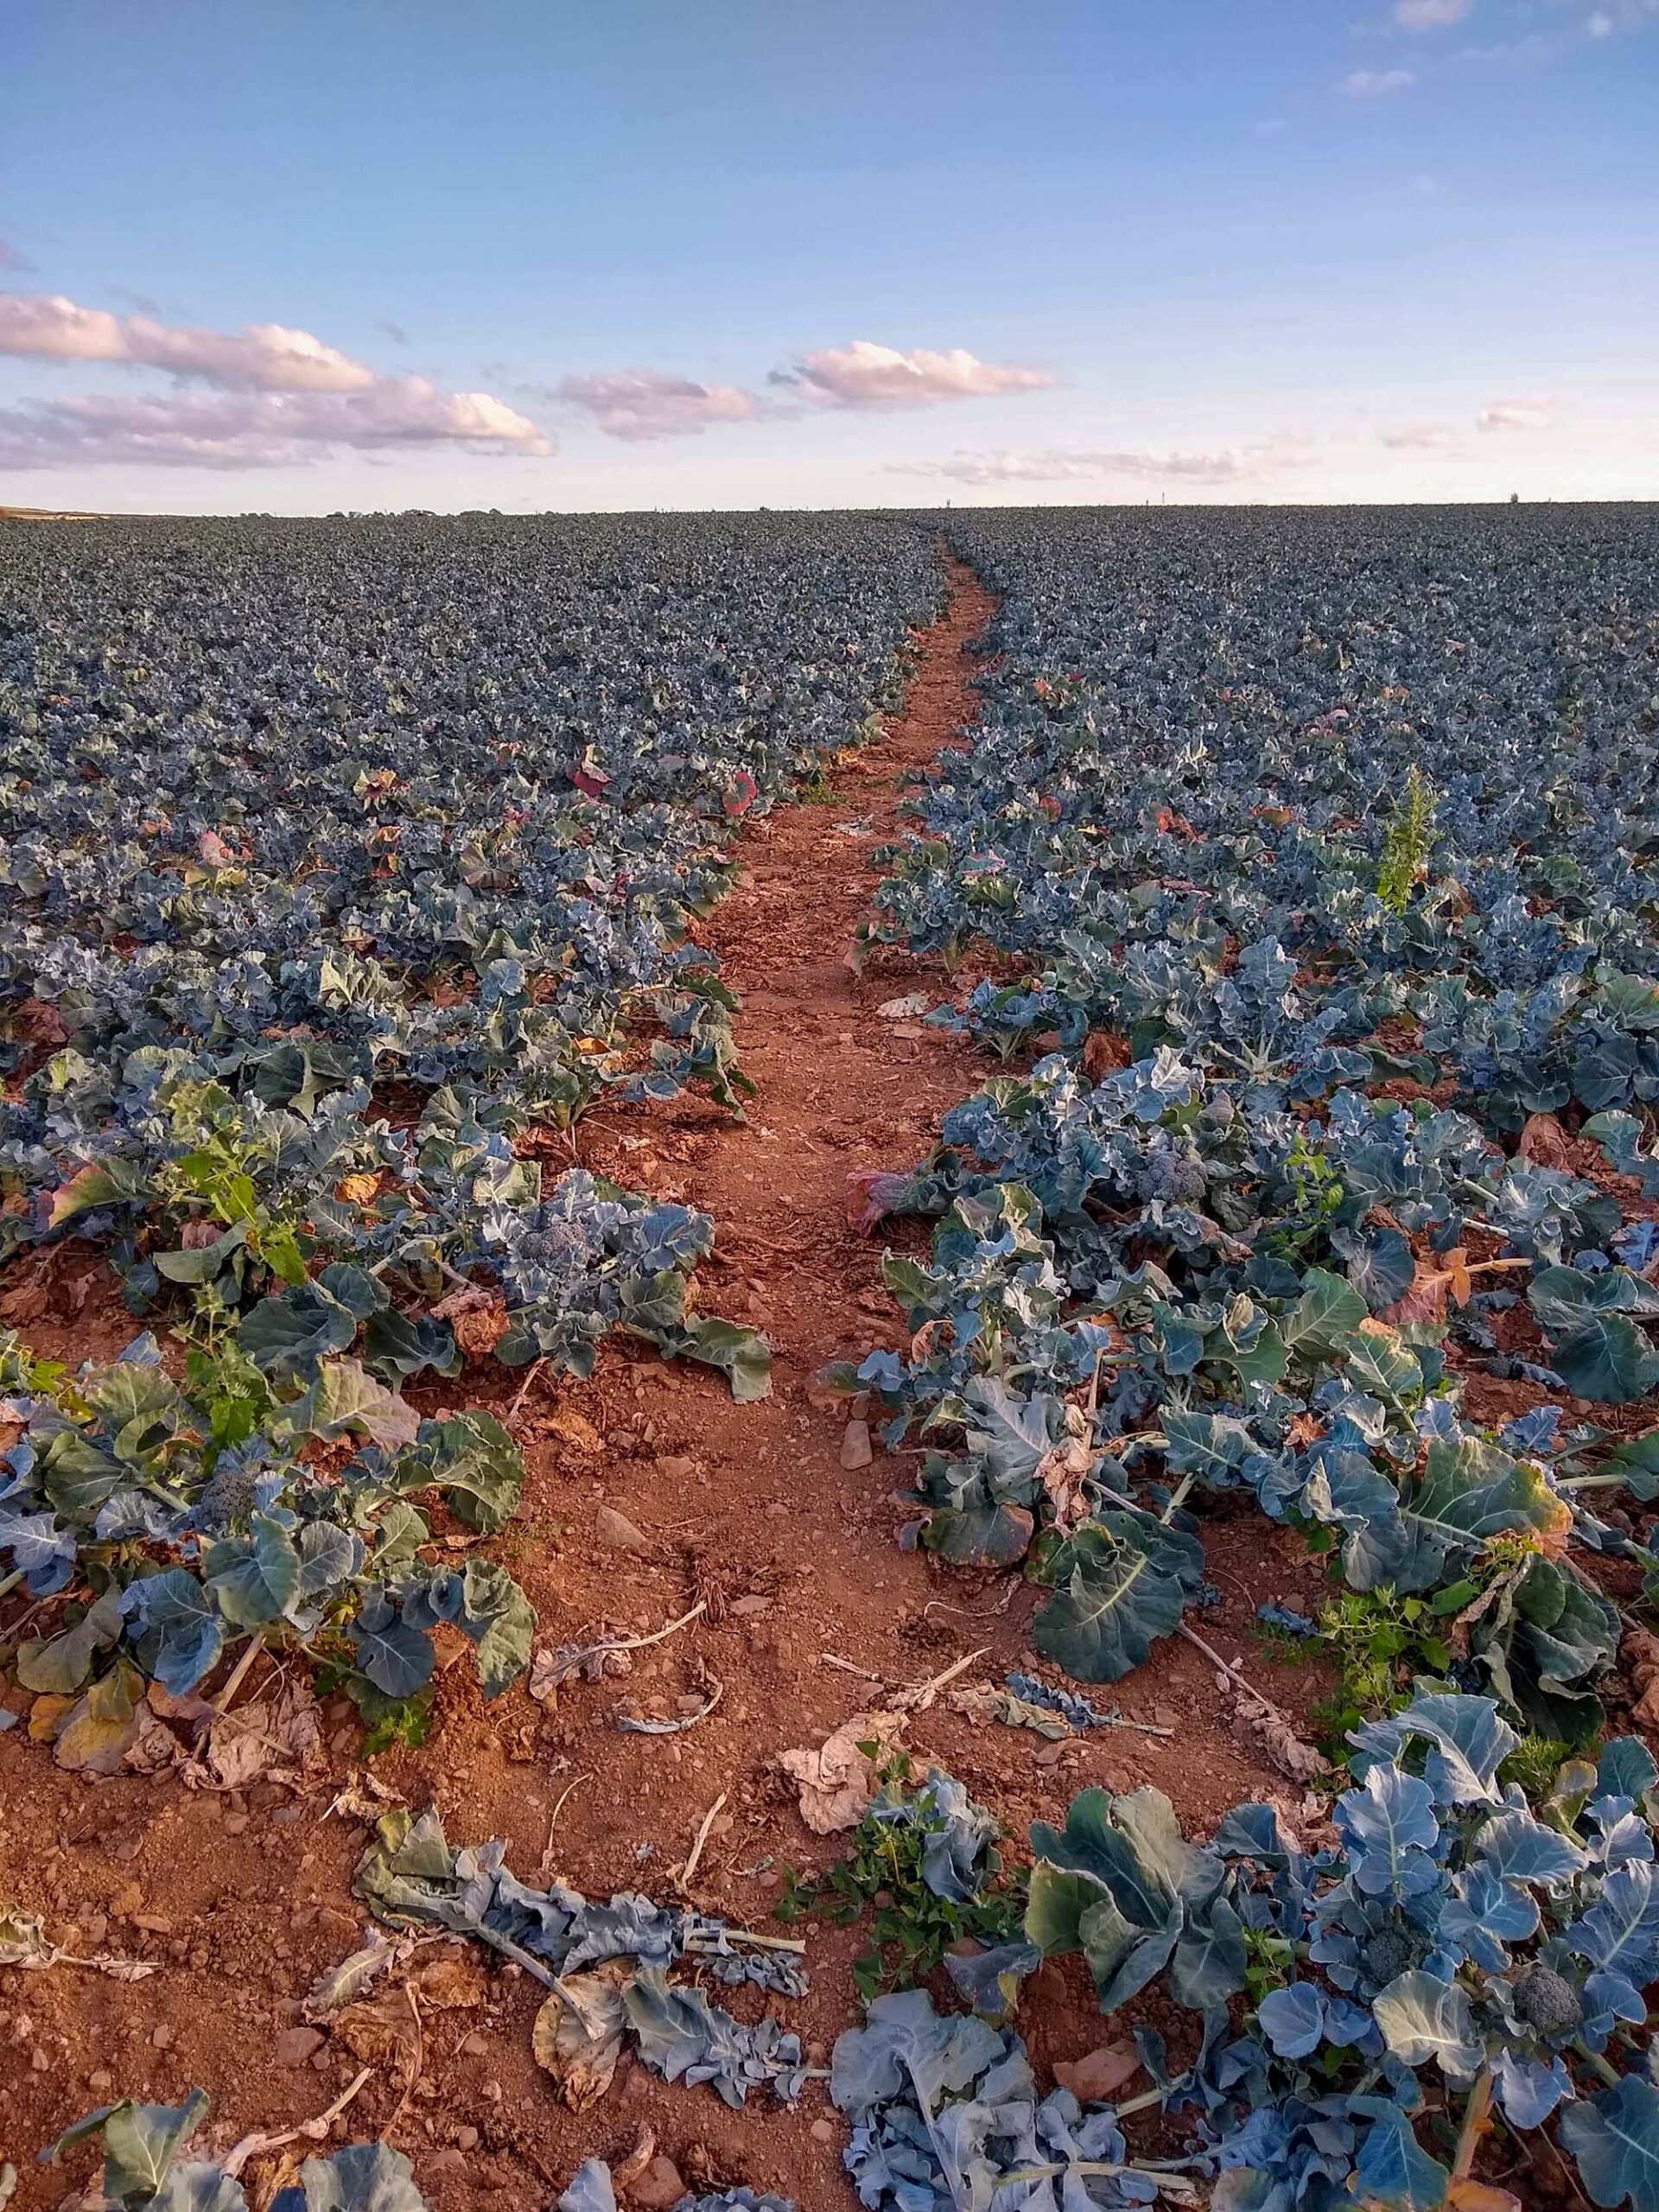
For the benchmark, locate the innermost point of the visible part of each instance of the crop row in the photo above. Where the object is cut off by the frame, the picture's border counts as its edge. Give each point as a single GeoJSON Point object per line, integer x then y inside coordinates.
{"type": "Point", "coordinates": [1307, 866]}
{"type": "Point", "coordinates": [342, 867]}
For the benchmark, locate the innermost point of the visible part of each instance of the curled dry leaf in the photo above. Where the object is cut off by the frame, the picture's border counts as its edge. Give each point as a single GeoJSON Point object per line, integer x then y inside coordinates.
{"type": "Point", "coordinates": [837, 1781]}
{"type": "Point", "coordinates": [351, 1978]}
{"type": "Point", "coordinates": [1640, 1653]}
{"type": "Point", "coordinates": [1103, 1053]}
{"type": "Point", "coordinates": [480, 1324]}
{"type": "Point", "coordinates": [984, 1701]}
{"type": "Point", "coordinates": [385, 2030]}
{"type": "Point", "coordinates": [872, 1194]}
{"type": "Point", "coordinates": [550, 1670]}
{"type": "Point", "coordinates": [1431, 1286]}
{"type": "Point", "coordinates": [23, 1942]}
{"type": "Point", "coordinates": [281, 1741]}
{"type": "Point", "coordinates": [633, 2166]}
{"type": "Point", "coordinates": [579, 2032]}
{"type": "Point", "coordinates": [27, 1302]}
{"type": "Point", "coordinates": [1063, 1470]}
{"type": "Point", "coordinates": [452, 1983]}
{"type": "Point", "coordinates": [1264, 1730]}
{"type": "Point", "coordinates": [365, 1797]}
{"type": "Point", "coordinates": [572, 1429]}
{"type": "Point", "coordinates": [1544, 1140]}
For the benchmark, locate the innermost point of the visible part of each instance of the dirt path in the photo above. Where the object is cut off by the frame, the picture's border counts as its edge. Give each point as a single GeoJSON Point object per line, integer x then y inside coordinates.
{"type": "Point", "coordinates": [243, 1901]}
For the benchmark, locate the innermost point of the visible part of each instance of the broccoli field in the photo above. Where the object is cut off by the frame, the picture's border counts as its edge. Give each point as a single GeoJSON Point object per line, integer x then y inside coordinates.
{"type": "Point", "coordinates": [829, 1361]}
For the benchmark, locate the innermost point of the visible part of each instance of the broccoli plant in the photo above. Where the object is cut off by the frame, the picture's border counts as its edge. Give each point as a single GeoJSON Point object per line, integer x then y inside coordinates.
{"type": "Point", "coordinates": [925, 1865]}
{"type": "Point", "coordinates": [153, 1548]}
{"type": "Point", "coordinates": [144, 2170]}
{"type": "Point", "coordinates": [1451, 1955]}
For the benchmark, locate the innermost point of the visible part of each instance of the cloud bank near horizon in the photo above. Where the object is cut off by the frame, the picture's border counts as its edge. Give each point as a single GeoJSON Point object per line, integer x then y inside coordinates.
{"type": "Point", "coordinates": [279, 396]}
{"type": "Point", "coordinates": [863, 376]}
{"type": "Point", "coordinates": [1074, 464]}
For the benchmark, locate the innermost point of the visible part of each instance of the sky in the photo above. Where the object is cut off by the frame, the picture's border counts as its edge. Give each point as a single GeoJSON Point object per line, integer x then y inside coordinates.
{"type": "Point", "coordinates": [297, 255]}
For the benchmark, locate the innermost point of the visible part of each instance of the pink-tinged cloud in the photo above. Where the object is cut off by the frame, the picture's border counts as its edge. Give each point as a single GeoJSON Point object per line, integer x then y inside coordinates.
{"type": "Point", "coordinates": [1071, 464]}
{"type": "Point", "coordinates": [258, 429]}
{"type": "Point", "coordinates": [1538, 412]}
{"type": "Point", "coordinates": [1418, 437]}
{"type": "Point", "coordinates": [640, 404]}
{"type": "Point", "coordinates": [864, 374]}
{"type": "Point", "coordinates": [261, 357]}
{"type": "Point", "coordinates": [1376, 84]}
{"type": "Point", "coordinates": [1430, 14]}
{"type": "Point", "coordinates": [282, 396]}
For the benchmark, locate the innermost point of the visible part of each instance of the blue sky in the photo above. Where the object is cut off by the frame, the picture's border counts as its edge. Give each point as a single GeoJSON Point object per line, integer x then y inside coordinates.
{"type": "Point", "coordinates": [879, 252]}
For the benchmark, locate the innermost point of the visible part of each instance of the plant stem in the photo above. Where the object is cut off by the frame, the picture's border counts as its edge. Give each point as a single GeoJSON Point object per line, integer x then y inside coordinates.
{"type": "Point", "coordinates": [1477, 2121]}
{"type": "Point", "coordinates": [1179, 1495]}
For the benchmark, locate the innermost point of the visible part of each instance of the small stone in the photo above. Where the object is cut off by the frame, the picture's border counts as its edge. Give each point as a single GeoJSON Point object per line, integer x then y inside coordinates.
{"type": "Point", "coordinates": [776, 1511]}
{"type": "Point", "coordinates": [448, 2162]}
{"type": "Point", "coordinates": [855, 1445]}
{"type": "Point", "coordinates": [823, 2130]}
{"type": "Point", "coordinates": [475, 2045]}
{"type": "Point", "coordinates": [679, 1470]}
{"type": "Point", "coordinates": [235, 1823]}
{"type": "Point", "coordinates": [100, 2079]}
{"type": "Point", "coordinates": [1098, 2076]}
{"type": "Point", "coordinates": [161, 2037]}
{"type": "Point", "coordinates": [747, 1609]}
{"type": "Point", "coordinates": [619, 1534]}
{"type": "Point", "coordinates": [466, 2139]}
{"type": "Point", "coordinates": [659, 2186]}
{"type": "Point", "coordinates": [296, 2045]}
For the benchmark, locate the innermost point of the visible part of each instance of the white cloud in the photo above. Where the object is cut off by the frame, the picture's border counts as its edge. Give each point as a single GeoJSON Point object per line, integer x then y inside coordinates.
{"type": "Point", "coordinates": [1071, 464]}
{"type": "Point", "coordinates": [1538, 412]}
{"type": "Point", "coordinates": [640, 404]}
{"type": "Point", "coordinates": [1376, 84]}
{"type": "Point", "coordinates": [260, 356]}
{"type": "Point", "coordinates": [283, 396]}
{"type": "Point", "coordinates": [864, 374]}
{"type": "Point", "coordinates": [258, 429]}
{"type": "Point", "coordinates": [1430, 14]}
